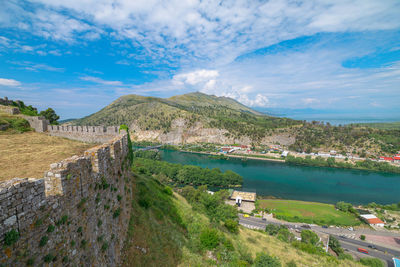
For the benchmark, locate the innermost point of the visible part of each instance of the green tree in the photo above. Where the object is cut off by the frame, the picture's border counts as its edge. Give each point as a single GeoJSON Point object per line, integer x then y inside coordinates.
{"type": "Point", "coordinates": [51, 115]}
{"type": "Point", "coordinates": [309, 237]}
{"type": "Point", "coordinates": [335, 245]}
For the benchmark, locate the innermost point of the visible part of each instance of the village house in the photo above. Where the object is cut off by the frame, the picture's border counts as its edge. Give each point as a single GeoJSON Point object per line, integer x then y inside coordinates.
{"type": "Point", "coordinates": [372, 220]}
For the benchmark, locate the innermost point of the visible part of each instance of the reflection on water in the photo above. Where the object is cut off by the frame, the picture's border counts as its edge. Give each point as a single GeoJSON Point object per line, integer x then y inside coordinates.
{"type": "Point", "coordinates": [320, 184]}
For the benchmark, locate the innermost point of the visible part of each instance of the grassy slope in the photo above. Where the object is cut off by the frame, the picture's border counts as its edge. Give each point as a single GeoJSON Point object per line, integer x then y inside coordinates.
{"type": "Point", "coordinates": [30, 154]}
{"type": "Point", "coordinates": [167, 226]}
{"type": "Point", "coordinates": [302, 211]}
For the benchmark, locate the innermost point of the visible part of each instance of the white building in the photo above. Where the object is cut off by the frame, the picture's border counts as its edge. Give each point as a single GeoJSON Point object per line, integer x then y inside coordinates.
{"type": "Point", "coordinates": [372, 220]}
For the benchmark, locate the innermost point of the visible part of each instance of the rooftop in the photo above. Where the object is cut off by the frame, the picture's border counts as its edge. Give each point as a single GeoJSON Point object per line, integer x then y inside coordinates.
{"type": "Point", "coordinates": [246, 196]}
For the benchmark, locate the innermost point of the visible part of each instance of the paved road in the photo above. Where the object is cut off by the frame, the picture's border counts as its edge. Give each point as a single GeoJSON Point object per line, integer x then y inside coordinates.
{"type": "Point", "coordinates": [380, 252]}
{"type": "Point", "coordinates": [371, 252]}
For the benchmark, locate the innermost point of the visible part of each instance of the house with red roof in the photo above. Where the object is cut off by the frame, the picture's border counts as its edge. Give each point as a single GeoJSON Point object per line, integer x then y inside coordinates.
{"type": "Point", "coordinates": [372, 220]}
{"type": "Point", "coordinates": [386, 159]}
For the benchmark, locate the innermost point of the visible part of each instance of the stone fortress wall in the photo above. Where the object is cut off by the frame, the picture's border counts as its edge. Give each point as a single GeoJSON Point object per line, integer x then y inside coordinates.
{"type": "Point", "coordinates": [77, 215]}
{"type": "Point", "coordinates": [89, 134]}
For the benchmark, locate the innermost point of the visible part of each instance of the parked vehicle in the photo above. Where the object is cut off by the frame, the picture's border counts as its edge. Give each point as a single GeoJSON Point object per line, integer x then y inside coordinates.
{"type": "Point", "coordinates": [372, 246]}
{"type": "Point", "coordinates": [306, 226]}
{"type": "Point", "coordinates": [324, 226]}
{"type": "Point", "coordinates": [362, 250]}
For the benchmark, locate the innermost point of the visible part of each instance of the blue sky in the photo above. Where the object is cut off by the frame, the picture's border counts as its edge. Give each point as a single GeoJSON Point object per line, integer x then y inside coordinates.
{"type": "Point", "coordinates": [78, 56]}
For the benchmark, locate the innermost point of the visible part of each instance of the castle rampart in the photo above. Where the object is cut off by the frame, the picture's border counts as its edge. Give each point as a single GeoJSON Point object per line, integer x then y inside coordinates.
{"type": "Point", "coordinates": [89, 134]}
{"type": "Point", "coordinates": [77, 214]}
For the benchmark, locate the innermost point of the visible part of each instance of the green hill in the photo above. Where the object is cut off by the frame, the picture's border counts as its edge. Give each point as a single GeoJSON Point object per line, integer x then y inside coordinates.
{"type": "Point", "coordinates": [210, 119]}
{"type": "Point", "coordinates": [152, 113]}
{"type": "Point", "coordinates": [190, 227]}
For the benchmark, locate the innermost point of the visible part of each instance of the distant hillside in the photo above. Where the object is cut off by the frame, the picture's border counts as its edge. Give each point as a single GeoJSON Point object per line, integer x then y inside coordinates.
{"type": "Point", "coordinates": [201, 118]}
{"type": "Point", "coordinates": [381, 125]}
{"type": "Point", "coordinates": [188, 111]}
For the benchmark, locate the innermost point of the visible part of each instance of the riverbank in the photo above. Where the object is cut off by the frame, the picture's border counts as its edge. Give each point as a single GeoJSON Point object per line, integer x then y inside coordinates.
{"type": "Point", "coordinates": [234, 156]}
{"type": "Point", "coordinates": [285, 181]}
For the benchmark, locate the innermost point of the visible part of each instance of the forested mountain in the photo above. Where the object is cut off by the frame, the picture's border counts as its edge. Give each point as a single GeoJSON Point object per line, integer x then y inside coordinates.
{"type": "Point", "coordinates": [152, 113]}
{"type": "Point", "coordinates": [201, 118]}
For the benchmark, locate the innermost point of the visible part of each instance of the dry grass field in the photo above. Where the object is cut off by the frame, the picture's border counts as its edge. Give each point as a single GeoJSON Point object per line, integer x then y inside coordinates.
{"type": "Point", "coordinates": [30, 154]}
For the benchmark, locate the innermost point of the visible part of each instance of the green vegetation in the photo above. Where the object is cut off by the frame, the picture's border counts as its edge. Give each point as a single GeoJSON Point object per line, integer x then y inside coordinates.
{"type": "Point", "coordinates": [331, 162]}
{"type": "Point", "coordinates": [149, 162]}
{"type": "Point", "coordinates": [51, 115]}
{"type": "Point", "coordinates": [43, 241]}
{"type": "Point", "coordinates": [130, 148]}
{"type": "Point", "coordinates": [186, 175]}
{"type": "Point", "coordinates": [381, 125]}
{"type": "Point", "coordinates": [152, 113]}
{"type": "Point", "coordinates": [307, 212]}
{"type": "Point", "coordinates": [314, 135]}
{"type": "Point", "coordinates": [264, 260]}
{"type": "Point", "coordinates": [13, 124]}
{"type": "Point", "coordinates": [11, 237]}
{"type": "Point", "coordinates": [362, 237]}
{"type": "Point", "coordinates": [170, 230]}
{"type": "Point", "coordinates": [372, 262]}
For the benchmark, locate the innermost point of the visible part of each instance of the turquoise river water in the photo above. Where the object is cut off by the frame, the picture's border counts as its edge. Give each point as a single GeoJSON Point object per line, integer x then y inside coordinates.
{"type": "Point", "coordinates": [281, 180]}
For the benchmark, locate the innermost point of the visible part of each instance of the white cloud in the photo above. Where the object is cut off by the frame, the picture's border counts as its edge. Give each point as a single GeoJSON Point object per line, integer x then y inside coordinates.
{"type": "Point", "coordinates": [32, 66]}
{"type": "Point", "coordinates": [100, 81]}
{"type": "Point", "coordinates": [200, 30]}
{"type": "Point", "coordinates": [9, 82]}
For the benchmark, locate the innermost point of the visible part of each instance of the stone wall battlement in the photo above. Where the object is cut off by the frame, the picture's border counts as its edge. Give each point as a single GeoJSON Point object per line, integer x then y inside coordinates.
{"type": "Point", "coordinates": [90, 134]}
{"type": "Point", "coordinates": [77, 213]}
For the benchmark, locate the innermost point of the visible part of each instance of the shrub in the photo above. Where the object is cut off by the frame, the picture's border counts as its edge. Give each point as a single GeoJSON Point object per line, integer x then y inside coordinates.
{"type": "Point", "coordinates": [30, 262]}
{"type": "Point", "coordinates": [285, 235]}
{"type": "Point", "coordinates": [43, 241]}
{"type": "Point", "coordinates": [309, 237]}
{"type": "Point", "coordinates": [48, 258]}
{"type": "Point", "coordinates": [372, 262]}
{"type": "Point", "coordinates": [83, 243]}
{"type": "Point", "coordinates": [79, 229]}
{"type": "Point", "coordinates": [335, 245]}
{"type": "Point", "coordinates": [11, 237]}
{"type": "Point", "coordinates": [51, 228]}
{"type": "Point", "coordinates": [345, 256]}
{"type": "Point", "coordinates": [99, 222]}
{"type": "Point", "coordinates": [119, 197]}
{"type": "Point", "coordinates": [265, 260]}
{"type": "Point", "coordinates": [232, 226]}
{"type": "Point", "coordinates": [209, 238]}
{"type": "Point", "coordinates": [272, 229]}
{"type": "Point", "coordinates": [291, 264]}
{"type": "Point", "coordinates": [362, 237]}
{"type": "Point", "coordinates": [116, 213]}
{"type": "Point", "coordinates": [104, 246]}
{"type": "Point", "coordinates": [72, 243]}
{"type": "Point", "coordinates": [63, 220]}
{"type": "Point", "coordinates": [168, 190]}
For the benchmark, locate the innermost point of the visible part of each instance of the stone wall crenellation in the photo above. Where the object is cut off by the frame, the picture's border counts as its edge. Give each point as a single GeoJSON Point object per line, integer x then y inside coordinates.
{"type": "Point", "coordinates": [90, 134]}
{"type": "Point", "coordinates": [77, 214]}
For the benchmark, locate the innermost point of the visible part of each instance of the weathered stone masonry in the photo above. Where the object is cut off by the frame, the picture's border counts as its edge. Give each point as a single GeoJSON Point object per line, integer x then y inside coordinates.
{"type": "Point", "coordinates": [89, 134]}
{"type": "Point", "coordinates": [77, 215]}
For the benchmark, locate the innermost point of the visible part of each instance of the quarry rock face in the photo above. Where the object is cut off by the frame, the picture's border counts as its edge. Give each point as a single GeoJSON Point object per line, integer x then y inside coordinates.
{"type": "Point", "coordinates": [77, 215]}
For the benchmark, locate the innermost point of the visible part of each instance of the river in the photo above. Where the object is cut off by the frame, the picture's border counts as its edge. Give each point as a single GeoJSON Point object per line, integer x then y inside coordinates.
{"type": "Point", "coordinates": [319, 184]}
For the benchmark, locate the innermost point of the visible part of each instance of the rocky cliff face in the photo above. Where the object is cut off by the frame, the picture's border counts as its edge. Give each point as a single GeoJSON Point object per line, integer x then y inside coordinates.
{"type": "Point", "coordinates": [181, 133]}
